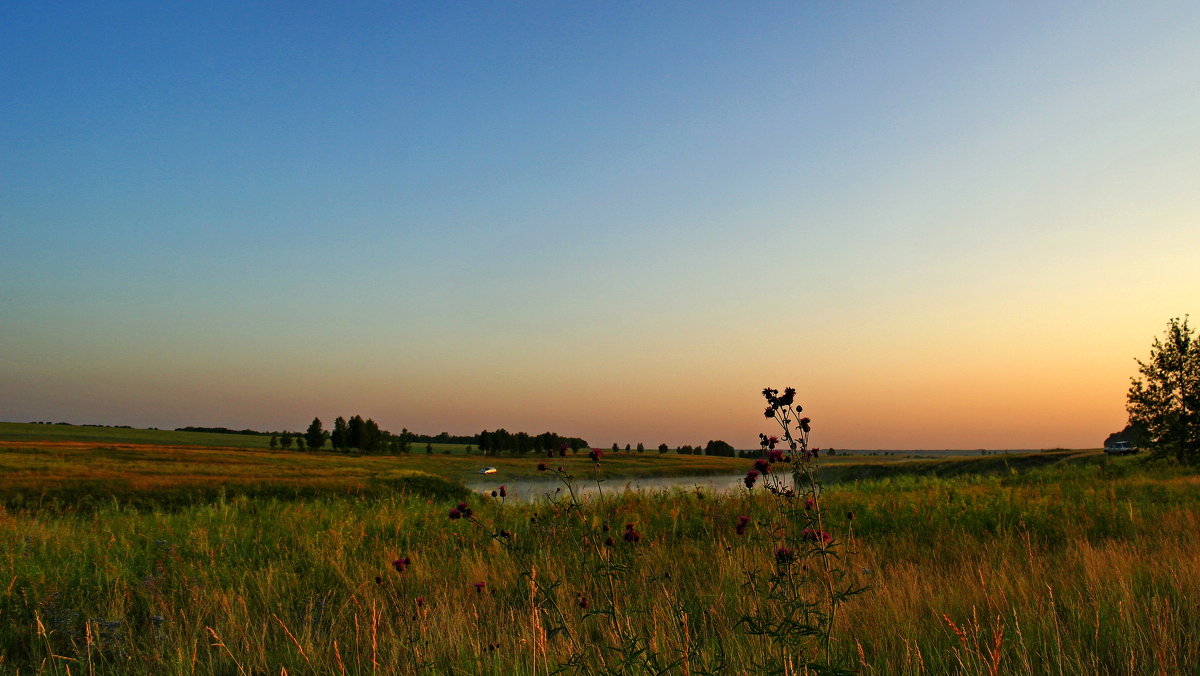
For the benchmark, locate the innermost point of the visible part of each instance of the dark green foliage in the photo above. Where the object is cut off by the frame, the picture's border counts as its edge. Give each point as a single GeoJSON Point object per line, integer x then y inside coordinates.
{"type": "Point", "coordinates": [214, 430]}
{"type": "Point", "coordinates": [492, 443]}
{"type": "Point", "coordinates": [721, 448]}
{"type": "Point", "coordinates": [1165, 401]}
{"type": "Point", "coordinates": [285, 440]}
{"type": "Point", "coordinates": [315, 437]}
{"type": "Point", "coordinates": [339, 437]}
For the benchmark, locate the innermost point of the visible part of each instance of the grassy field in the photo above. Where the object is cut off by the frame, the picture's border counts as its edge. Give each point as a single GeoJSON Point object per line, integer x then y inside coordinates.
{"type": "Point", "coordinates": [1063, 562]}
{"type": "Point", "coordinates": [48, 472]}
{"type": "Point", "coordinates": [126, 436]}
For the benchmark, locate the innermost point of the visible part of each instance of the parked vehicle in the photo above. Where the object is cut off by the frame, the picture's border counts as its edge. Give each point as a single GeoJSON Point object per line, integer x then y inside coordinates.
{"type": "Point", "coordinates": [1120, 448]}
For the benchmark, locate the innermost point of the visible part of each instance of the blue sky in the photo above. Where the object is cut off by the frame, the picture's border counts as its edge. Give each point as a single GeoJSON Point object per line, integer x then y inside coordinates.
{"type": "Point", "coordinates": [249, 214]}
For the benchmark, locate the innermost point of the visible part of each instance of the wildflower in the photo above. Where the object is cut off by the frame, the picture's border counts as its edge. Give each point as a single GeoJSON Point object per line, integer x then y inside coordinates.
{"type": "Point", "coordinates": [784, 556]}
{"type": "Point", "coordinates": [595, 454]}
{"type": "Point", "coordinates": [772, 441]}
{"type": "Point", "coordinates": [401, 563]}
{"type": "Point", "coordinates": [478, 587]}
{"type": "Point", "coordinates": [809, 503]}
{"type": "Point", "coordinates": [850, 515]}
{"type": "Point", "coordinates": [789, 395]}
{"type": "Point", "coordinates": [464, 509]}
{"type": "Point", "coordinates": [805, 424]}
{"type": "Point", "coordinates": [583, 602]}
{"type": "Point", "coordinates": [770, 412]}
{"type": "Point", "coordinates": [775, 456]}
{"type": "Point", "coordinates": [550, 453]}
{"type": "Point", "coordinates": [562, 451]}
{"type": "Point", "coordinates": [541, 467]}
{"type": "Point", "coordinates": [762, 466]}
{"type": "Point", "coordinates": [503, 493]}
{"type": "Point", "coordinates": [608, 541]}
{"type": "Point", "coordinates": [631, 535]}
{"type": "Point", "coordinates": [455, 514]}
{"type": "Point", "coordinates": [743, 523]}
{"type": "Point", "coordinates": [420, 601]}
{"type": "Point", "coordinates": [378, 580]}
{"type": "Point", "coordinates": [762, 440]}
{"type": "Point", "coordinates": [494, 494]}
{"type": "Point", "coordinates": [816, 535]}
{"type": "Point", "coordinates": [750, 478]}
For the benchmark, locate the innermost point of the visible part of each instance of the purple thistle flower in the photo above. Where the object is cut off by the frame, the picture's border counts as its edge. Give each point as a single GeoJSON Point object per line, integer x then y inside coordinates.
{"type": "Point", "coordinates": [743, 523]}
{"type": "Point", "coordinates": [784, 556]}
{"type": "Point", "coordinates": [814, 535]}
{"type": "Point", "coordinates": [751, 477]}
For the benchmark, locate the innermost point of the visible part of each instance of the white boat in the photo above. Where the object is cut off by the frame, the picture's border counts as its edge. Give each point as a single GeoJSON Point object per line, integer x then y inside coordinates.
{"type": "Point", "coordinates": [488, 470]}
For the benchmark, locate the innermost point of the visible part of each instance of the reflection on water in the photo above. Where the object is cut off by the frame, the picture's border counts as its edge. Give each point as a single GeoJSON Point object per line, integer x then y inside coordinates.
{"type": "Point", "coordinates": [526, 489]}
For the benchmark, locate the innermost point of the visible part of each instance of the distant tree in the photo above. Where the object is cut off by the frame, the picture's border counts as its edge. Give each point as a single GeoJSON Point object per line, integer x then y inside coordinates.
{"type": "Point", "coordinates": [663, 448]}
{"type": "Point", "coordinates": [286, 440]}
{"type": "Point", "coordinates": [404, 440]}
{"type": "Point", "coordinates": [615, 447]}
{"type": "Point", "coordinates": [354, 432]}
{"type": "Point", "coordinates": [641, 447]}
{"type": "Point", "coordinates": [468, 448]}
{"type": "Point", "coordinates": [718, 447]}
{"type": "Point", "coordinates": [314, 438]}
{"type": "Point", "coordinates": [1166, 399]}
{"type": "Point", "coordinates": [627, 447]}
{"type": "Point", "coordinates": [340, 434]}
{"type": "Point", "coordinates": [274, 442]}
{"type": "Point", "coordinates": [429, 448]}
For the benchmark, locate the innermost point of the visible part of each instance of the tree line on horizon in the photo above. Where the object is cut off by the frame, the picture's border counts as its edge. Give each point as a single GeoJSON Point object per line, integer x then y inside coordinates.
{"type": "Point", "coordinates": [365, 436]}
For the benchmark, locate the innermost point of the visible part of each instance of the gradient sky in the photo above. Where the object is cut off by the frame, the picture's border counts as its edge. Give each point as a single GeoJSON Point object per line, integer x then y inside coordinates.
{"type": "Point", "coordinates": [948, 225]}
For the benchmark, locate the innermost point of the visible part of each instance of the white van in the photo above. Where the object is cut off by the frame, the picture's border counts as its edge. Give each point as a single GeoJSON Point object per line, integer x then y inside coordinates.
{"type": "Point", "coordinates": [1120, 448]}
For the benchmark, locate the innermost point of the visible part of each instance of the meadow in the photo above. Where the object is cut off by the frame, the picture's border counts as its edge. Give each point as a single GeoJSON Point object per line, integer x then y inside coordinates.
{"type": "Point", "coordinates": [1065, 562]}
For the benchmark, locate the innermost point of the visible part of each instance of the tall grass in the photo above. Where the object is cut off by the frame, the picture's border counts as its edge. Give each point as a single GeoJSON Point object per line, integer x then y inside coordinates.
{"type": "Point", "coordinates": [1087, 569]}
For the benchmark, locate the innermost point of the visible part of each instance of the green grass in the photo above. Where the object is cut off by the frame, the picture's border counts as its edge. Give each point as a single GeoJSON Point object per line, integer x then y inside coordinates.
{"type": "Point", "coordinates": [1076, 568]}
{"type": "Point", "coordinates": [167, 559]}
{"type": "Point", "coordinates": [121, 435]}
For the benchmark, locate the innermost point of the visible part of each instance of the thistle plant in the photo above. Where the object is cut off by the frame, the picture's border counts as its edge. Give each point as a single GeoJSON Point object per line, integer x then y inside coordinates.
{"type": "Point", "coordinates": [587, 617]}
{"type": "Point", "coordinates": [808, 582]}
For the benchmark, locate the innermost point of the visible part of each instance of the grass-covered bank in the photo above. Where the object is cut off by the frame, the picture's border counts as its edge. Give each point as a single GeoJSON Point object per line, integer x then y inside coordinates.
{"type": "Point", "coordinates": [37, 472]}
{"type": "Point", "coordinates": [1080, 568]}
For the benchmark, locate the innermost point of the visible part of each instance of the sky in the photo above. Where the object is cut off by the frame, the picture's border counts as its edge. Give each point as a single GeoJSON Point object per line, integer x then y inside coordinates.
{"type": "Point", "coordinates": [947, 225]}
